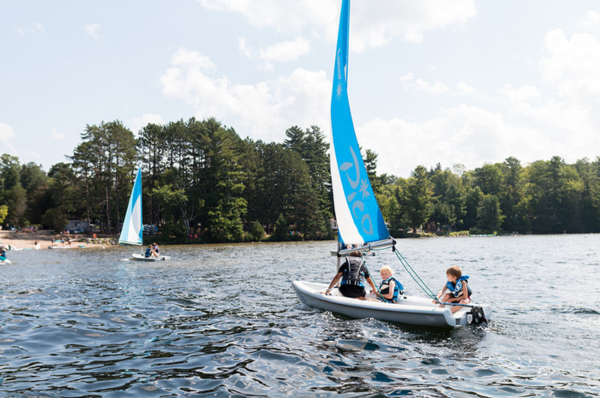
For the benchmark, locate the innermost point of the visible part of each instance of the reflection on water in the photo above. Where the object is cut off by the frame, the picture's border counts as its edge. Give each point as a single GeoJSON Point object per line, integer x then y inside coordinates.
{"type": "Point", "coordinates": [223, 320]}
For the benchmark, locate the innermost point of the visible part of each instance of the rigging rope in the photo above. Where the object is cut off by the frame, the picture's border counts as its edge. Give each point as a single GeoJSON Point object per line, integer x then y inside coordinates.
{"type": "Point", "coordinates": [414, 275]}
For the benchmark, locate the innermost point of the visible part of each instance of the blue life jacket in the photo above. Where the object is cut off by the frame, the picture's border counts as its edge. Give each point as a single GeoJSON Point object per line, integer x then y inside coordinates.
{"type": "Point", "coordinates": [353, 275]}
{"type": "Point", "coordinates": [148, 252]}
{"type": "Point", "coordinates": [384, 288]}
{"type": "Point", "coordinates": [457, 288]}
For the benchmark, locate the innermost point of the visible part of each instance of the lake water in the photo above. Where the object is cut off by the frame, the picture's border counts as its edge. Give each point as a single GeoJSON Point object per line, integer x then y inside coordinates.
{"type": "Point", "coordinates": [223, 320]}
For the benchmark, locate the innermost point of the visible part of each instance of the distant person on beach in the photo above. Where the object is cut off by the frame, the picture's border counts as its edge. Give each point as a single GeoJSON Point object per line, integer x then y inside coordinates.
{"type": "Point", "coordinates": [36, 245]}
{"type": "Point", "coordinates": [352, 273]}
{"type": "Point", "coordinates": [458, 289]}
{"type": "Point", "coordinates": [390, 289]}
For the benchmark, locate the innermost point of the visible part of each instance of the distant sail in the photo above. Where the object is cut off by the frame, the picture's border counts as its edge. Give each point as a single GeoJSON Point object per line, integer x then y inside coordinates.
{"type": "Point", "coordinates": [357, 213]}
{"type": "Point", "coordinates": [131, 234]}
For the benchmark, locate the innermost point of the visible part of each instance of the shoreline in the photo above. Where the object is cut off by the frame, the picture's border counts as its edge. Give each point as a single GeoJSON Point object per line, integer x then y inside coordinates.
{"type": "Point", "coordinates": [26, 240]}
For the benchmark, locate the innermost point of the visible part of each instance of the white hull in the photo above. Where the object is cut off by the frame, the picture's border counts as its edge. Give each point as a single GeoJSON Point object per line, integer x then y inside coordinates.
{"type": "Point", "coordinates": [408, 310]}
{"type": "Point", "coordinates": [141, 257]}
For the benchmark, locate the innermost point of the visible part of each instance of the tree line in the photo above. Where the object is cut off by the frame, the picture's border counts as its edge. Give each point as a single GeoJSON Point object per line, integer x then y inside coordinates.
{"type": "Point", "coordinates": [202, 182]}
{"type": "Point", "coordinates": [541, 197]}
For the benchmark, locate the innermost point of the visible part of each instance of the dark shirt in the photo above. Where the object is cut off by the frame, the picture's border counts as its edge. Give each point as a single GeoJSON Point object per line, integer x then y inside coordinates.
{"type": "Point", "coordinates": [363, 269]}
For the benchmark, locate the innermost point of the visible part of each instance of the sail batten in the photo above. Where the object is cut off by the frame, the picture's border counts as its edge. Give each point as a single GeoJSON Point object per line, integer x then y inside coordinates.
{"type": "Point", "coordinates": [132, 233]}
{"type": "Point", "coordinates": [357, 213]}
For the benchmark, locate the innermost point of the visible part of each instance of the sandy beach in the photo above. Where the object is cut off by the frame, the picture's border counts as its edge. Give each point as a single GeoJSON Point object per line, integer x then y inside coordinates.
{"type": "Point", "coordinates": [26, 240]}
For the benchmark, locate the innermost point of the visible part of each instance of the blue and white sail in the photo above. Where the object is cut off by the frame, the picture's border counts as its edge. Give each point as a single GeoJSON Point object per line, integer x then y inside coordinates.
{"type": "Point", "coordinates": [357, 213]}
{"type": "Point", "coordinates": [132, 231]}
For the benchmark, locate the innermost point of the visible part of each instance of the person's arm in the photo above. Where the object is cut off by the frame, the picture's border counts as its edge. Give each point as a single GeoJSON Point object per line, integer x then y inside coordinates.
{"type": "Point", "coordinates": [370, 282]}
{"type": "Point", "coordinates": [390, 294]}
{"type": "Point", "coordinates": [335, 279]}
{"type": "Point", "coordinates": [440, 294]}
{"type": "Point", "coordinates": [465, 292]}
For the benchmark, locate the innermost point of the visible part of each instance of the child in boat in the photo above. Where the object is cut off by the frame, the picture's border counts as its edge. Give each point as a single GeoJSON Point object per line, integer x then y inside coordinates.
{"type": "Point", "coordinates": [150, 252]}
{"type": "Point", "coordinates": [458, 289]}
{"type": "Point", "coordinates": [352, 272]}
{"type": "Point", "coordinates": [156, 249]}
{"type": "Point", "coordinates": [390, 289]}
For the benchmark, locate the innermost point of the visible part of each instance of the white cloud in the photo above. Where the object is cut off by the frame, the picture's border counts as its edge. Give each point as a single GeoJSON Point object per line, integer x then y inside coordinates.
{"type": "Point", "coordinates": [243, 47]}
{"type": "Point", "coordinates": [373, 23]}
{"type": "Point", "coordinates": [265, 109]}
{"type": "Point", "coordinates": [408, 82]}
{"type": "Point", "coordinates": [54, 136]}
{"type": "Point", "coordinates": [6, 136]}
{"type": "Point", "coordinates": [467, 90]}
{"type": "Point", "coordinates": [92, 30]}
{"type": "Point", "coordinates": [379, 21]}
{"type": "Point", "coordinates": [286, 51]}
{"type": "Point", "coordinates": [463, 134]}
{"type": "Point", "coordinates": [139, 123]}
{"type": "Point", "coordinates": [591, 23]}
{"type": "Point", "coordinates": [572, 65]}
{"type": "Point", "coordinates": [35, 28]}
{"type": "Point", "coordinates": [520, 98]}
{"type": "Point", "coordinates": [283, 15]}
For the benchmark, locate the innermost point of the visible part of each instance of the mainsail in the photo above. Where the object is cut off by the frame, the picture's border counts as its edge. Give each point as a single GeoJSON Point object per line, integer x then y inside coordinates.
{"type": "Point", "coordinates": [131, 234]}
{"type": "Point", "coordinates": [357, 212]}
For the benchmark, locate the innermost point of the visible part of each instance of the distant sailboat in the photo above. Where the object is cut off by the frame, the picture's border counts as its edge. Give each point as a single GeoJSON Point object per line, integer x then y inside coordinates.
{"type": "Point", "coordinates": [360, 222]}
{"type": "Point", "coordinates": [132, 233]}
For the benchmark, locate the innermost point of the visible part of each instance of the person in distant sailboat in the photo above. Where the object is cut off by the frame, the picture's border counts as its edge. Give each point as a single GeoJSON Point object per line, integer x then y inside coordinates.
{"type": "Point", "coordinates": [156, 249]}
{"type": "Point", "coordinates": [352, 273]}
{"type": "Point", "coordinates": [150, 252]}
{"type": "Point", "coordinates": [458, 289]}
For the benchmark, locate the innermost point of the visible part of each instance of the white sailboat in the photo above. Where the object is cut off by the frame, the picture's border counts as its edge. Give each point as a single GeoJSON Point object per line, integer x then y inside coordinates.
{"type": "Point", "coordinates": [361, 223]}
{"type": "Point", "coordinates": [132, 233]}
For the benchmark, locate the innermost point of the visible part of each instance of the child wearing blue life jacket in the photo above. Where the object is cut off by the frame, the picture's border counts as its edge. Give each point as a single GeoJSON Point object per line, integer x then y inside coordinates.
{"type": "Point", "coordinates": [150, 252]}
{"type": "Point", "coordinates": [390, 289]}
{"type": "Point", "coordinates": [458, 289]}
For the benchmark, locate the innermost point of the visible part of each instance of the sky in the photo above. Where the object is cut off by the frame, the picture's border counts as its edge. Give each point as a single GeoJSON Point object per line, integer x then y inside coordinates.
{"type": "Point", "coordinates": [459, 82]}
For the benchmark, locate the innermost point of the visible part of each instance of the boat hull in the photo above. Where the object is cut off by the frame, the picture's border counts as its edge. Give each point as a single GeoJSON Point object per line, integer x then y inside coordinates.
{"type": "Point", "coordinates": [141, 257]}
{"type": "Point", "coordinates": [408, 310]}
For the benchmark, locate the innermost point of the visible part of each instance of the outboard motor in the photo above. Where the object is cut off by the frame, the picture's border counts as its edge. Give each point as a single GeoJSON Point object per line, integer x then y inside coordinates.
{"type": "Point", "coordinates": [477, 316]}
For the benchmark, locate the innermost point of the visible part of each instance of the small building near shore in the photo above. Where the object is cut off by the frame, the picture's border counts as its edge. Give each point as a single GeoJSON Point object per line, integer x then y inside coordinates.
{"type": "Point", "coordinates": [76, 225]}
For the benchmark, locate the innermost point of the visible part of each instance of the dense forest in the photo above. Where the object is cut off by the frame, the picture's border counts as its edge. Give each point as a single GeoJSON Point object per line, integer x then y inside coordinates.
{"type": "Point", "coordinates": [202, 182]}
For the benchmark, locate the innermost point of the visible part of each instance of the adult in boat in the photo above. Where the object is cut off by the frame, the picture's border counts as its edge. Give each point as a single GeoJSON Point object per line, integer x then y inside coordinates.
{"type": "Point", "coordinates": [352, 273]}
{"type": "Point", "coordinates": [156, 249]}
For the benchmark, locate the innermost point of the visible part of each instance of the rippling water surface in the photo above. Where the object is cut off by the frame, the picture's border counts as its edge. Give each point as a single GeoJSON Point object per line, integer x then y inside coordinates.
{"type": "Point", "coordinates": [223, 320]}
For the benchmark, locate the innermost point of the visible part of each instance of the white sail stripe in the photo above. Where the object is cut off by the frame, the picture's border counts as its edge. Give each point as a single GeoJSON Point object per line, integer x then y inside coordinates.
{"type": "Point", "coordinates": [346, 224]}
{"type": "Point", "coordinates": [135, 224]}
